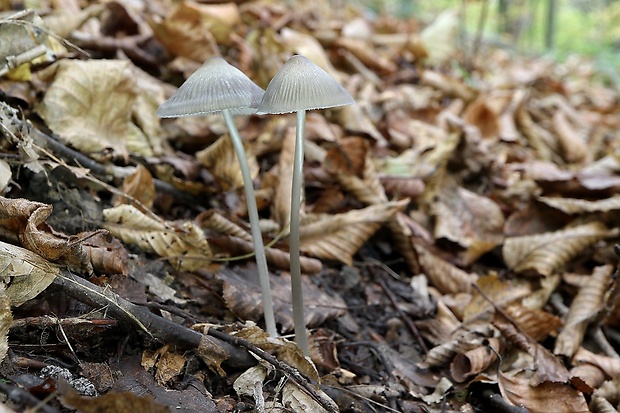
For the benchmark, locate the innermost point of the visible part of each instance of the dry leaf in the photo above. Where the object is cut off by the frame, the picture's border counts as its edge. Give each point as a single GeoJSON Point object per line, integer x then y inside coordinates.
{"type": "Point", "coordinates": [548, 252]}
{"type": "Point", "coordinates": [482, 116]}
{"type": "Point", "coordinates": [338, 237]}
{"type": "Point", "coordinates": [168, 365]}
{"type": "Point", "coordinates": [473, 221]}
{"type": "Point", "coordinates": [536, 323]}
{"type": "Point", "coordinates": [90, 104]}
{"type": "Point", "coordinates": [118, 402]}
{"type": "Point", "coordinates": [242, 295]}
{"type": "Point", "coordinates": [463, 341]}
{"type": "Point", "coordinates": [251, 381]}
{"type": "Point", "coordinates": [30, 274]}
{"type": "Point", "coordinates": [24, 220]}
{"type": "Point", "coordinates": [184, 245]}
{"type": "Point", "coordinates": [220, 159]}
{"type": "Point", "coordinates": [472, 362]}
{"type": "Point", "coordinates": [447, 278]}
{"type": "Point", "coordinates": [609, 365]}
{"type": "Point", "coordinates": [581, 206]}
{"type": "Point", "coordinates": [572, 142]}
{"type": "Point", "coordinates": [499, 291]}
{"type": "Point", "coordinates": [586, 305]}
{"type": "Point", "coordinates": [6, 319]}
{"type": "Point", "coordinates": [544, 398]}
{"type": "Point", "coordinates": [299, 401]}
{"type": "Point", "coordinates": [140, 186]}
{"type": "Point", "coordinates": [193, 30]}
{"type": "Point", "coordinates": [5, 176]}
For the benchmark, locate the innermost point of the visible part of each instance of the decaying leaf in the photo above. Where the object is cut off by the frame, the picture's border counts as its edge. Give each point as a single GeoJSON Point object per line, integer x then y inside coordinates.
{"type": "Point", "coordinates": [338, 237]}
{"type": "Point", "coordinates": [30, 274]}
{"type": "Point", "coordinates": [74, 106]}
{"type": "Point", "coordinates": [548, 252]}
{"type": "Point", "coordinates": [167, 364]}
{"type": "Point", "coordinates": [462, 342]}
{"type": "Point", "coordinates": [587, 303]}
{"type": "Point", "coordinates": [184, 245]}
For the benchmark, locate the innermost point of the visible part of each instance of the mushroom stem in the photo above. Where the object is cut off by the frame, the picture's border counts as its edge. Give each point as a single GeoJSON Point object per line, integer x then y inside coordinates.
{"type": "Point", "coordinates": [296, 290]}
{"type": "Point", "coordinates": [257, 237]}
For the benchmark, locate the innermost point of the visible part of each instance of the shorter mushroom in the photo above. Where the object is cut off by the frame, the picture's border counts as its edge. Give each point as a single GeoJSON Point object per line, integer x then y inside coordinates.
{"type": "Point", "coordinates": [220, 87]}
{"type": "Point", "coordinates": [298, 86]}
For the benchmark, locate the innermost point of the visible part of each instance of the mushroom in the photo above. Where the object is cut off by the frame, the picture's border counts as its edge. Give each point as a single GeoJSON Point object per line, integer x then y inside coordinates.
{"type": "Point", "coordinates": [220, 87]}
{"type": "Point", "coordinates": [300, 85]}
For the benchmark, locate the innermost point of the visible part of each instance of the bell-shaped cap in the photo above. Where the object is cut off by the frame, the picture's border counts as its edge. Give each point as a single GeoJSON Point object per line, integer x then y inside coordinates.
{"type": "Point", "coordinates": [302, 85]}
{"type": "Point", "coordinates": [214, 87]}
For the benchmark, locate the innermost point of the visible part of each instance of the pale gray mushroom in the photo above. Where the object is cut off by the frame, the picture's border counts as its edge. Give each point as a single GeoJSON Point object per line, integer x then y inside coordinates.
{"type": "Point", "coordinates": [300, 85]}
{"type": "Point", "coordinates": [220, 87]}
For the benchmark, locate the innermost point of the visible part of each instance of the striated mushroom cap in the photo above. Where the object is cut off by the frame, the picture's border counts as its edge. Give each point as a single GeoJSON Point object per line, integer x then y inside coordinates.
{"type": "Point", "coordinates": [302, 85]}
{"type": "Point", "coordinates": [214, 87]}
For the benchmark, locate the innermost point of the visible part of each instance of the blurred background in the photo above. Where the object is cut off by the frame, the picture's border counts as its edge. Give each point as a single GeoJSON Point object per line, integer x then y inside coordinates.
{"type": "Point", "coordinates": [558, 28]}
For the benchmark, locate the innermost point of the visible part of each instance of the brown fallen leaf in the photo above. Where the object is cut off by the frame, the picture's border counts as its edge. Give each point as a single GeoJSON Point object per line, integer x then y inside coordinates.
{"type": "Point", "coordinates": [580, 206]}
{"type": "Point", "coordinates": [501, 292]}
{"type": "Point", "coordinates": [74, 108]}
{"type": "Point", "coordinates": [221, 160]}
{"type": "Point", "coordinates": [609, 365]}
{"type": "Point", "coordinates": [6, 319]}
{"type": "Point", "coordinates": [241, 293]}
{"type": "Point", "coordinates": [447, 278]}
{"type": "Point", "coordinates": [166, 363]}
{"type": "Point", "coordinates": [536, 323]}
{"type": "Point", "coordinates": [481, 115]}
{"type": "Point", "coordinates": [111, 402]}
{"type": "Point", "coordinates": [338, 237]}
{"type": "Point", "coordinates": [548, 252]}
{"type": "Point", "coordinates": [30, 274]}
{"type": "Point", "coordinates": [585, 306]}
{"type": "Point", "coordinates": [184, 245]}
{"type": "Point", "coordinates": [571, 141]}
{"type": "Point", "coordinates": [472, 362]}
{"type": "Point", "coordinates": [140, 186]}
{"type": "Point", "coordinates": [543, 398]}
{"type": "Point", "coordinates": [24, 221]}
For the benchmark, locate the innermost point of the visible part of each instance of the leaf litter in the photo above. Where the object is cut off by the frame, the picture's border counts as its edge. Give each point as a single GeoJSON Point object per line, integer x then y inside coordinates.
{"type": "Point", "coordinates": [458, 222]}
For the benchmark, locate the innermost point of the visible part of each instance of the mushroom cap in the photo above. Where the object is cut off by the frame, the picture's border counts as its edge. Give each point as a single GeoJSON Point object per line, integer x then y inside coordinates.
{"type": "Point", "coordinates": [214, 87]}
{"type": "Point", "coordinates": [302, 85]}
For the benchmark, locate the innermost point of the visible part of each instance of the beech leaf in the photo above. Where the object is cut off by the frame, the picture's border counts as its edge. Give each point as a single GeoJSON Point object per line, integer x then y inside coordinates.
{"type": "Point", "coordinates": [548, 252]}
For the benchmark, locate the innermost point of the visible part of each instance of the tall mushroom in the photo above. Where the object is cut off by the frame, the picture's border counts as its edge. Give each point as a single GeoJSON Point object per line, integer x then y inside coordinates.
{"type": "Point", "coordinates": [220, 87]}
{"type": "Point", "coordinates": [300, 85]}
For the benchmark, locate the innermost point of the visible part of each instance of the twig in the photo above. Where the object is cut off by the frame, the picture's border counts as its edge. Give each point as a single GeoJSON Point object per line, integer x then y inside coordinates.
{"type": "Point", "coordinates": [159, 328]}
{"type": "Point", "coordinates": [290, 372]}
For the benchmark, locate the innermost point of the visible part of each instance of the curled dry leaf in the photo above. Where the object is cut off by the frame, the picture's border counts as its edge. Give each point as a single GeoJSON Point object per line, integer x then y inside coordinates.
{"type": "Point", "coordinates": [609, 365]}
{"type": "Point", "coordinates": [585, 306]}
{"type": "Point", "coordinates": [548, 252]}
{"type": "Point", "coordinates": [472, 362]}
{"type": "Point", "coordinates": [166, 363]}
{"type": "Point", "coordinates": [24, 220]}
{"type": "Point", "coordinates": [76, 106]}
{"type": "Point", "coordinates": [482, 116]}
{"type": "Point", "coordinates": [462, 342]}
{"type": "Point", "coordinates": [544, 398]}
{"type": "Point", "coordinates": [299, 401]}
{"type": "Point", "coordinates": [30, 274]}
{"type": "Point", "coordinates": [338, 237]}
{"type": "Point", "coordinates": [221, 160]}
{"type": "Point", "coordinates": [107, 254]}
{"type": "Point", "coordinates": [571, 141]}
{"type": "Point", "coordinates": [185, 247]}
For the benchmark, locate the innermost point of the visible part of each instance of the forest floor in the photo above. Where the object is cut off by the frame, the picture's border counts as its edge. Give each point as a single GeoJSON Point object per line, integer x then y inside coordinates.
{"type": "Point", "coordinates": [459, 229]}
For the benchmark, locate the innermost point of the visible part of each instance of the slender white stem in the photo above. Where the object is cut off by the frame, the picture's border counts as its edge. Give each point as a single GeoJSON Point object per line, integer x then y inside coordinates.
{"type": "Point", "coordinates": [257, 237]}
{"type": "Point", "coordinates": [296, 290]}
